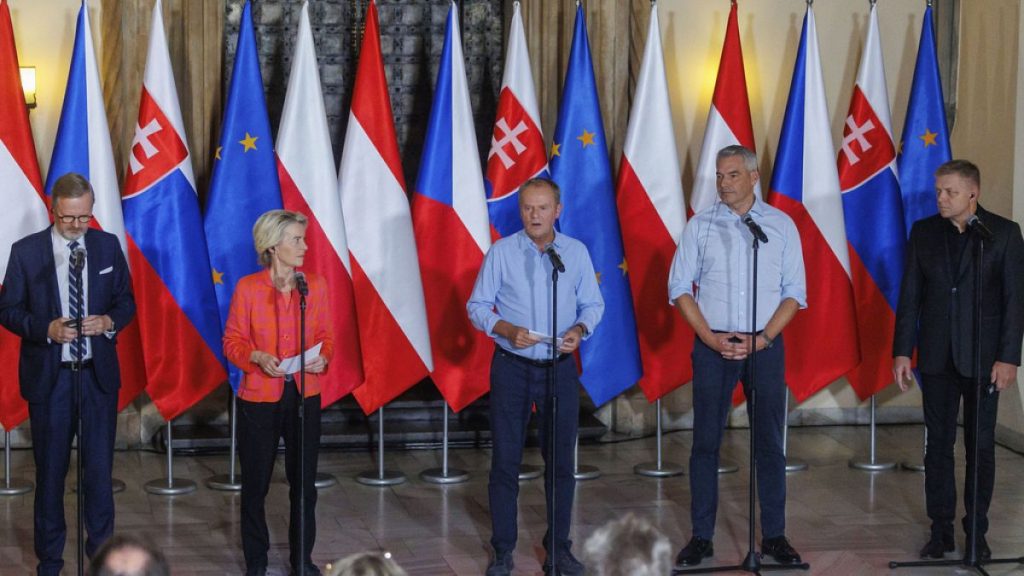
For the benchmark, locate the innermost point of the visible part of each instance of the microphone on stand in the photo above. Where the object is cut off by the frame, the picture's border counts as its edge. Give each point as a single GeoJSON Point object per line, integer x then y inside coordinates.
{"type": "Point", "coordinates": [755, 229]}
{"type": "Point", "coordinates": [556, 260]}
{"type": "Point", "coordinates": [300, 284]}
{"type": "Point", "coordinates": [77, 261]}
{"type": "Point", "coordinates": [975, 223]}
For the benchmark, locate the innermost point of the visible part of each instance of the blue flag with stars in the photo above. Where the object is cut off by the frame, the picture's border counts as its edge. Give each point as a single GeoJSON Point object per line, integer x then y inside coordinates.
{"type": "Point", "coordinates": [925, 144]}
{"type": "Point", "coordinates": [244, 184]}
{"type": "Point", "coordinates": [581, 167]}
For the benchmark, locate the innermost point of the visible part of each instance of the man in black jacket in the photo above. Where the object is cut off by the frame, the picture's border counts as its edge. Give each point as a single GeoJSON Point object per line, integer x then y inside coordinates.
{"type": "Point", "coordinates": [936, 313]}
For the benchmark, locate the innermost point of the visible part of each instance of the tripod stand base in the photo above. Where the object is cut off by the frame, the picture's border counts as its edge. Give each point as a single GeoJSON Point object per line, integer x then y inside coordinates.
{"type": "Point", "coordinates": [977, 565]}
{"type": "Point", "coordinates": [530, 472]}
{"type": "Point", "coordinates": [795, 465]}
{"type": "Point", "coordinates": [380, 478]}
{"type": "Point", "coordinates": [584, 472]}
{"type": "Point", "coordinates": [224, 483]}
{"type": "Point", "coordinates": [16, 487]}
{"type": "Point", "coordinates": [175, 487]}
{"type": "Point", "coordinates": [652, 470]}
{"type": "Point", "coordinates": [872, 466]}
{"type": "Point", "coordinates": [324, 480]}
{"type": "Point", "coordinates": [913, 466]}
{"type": "Point", "coordinates": [440, 476]}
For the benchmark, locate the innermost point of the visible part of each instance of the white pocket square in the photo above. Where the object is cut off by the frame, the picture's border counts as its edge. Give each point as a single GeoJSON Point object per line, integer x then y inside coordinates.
{"type": "Point", "coordinates": [107, 270]}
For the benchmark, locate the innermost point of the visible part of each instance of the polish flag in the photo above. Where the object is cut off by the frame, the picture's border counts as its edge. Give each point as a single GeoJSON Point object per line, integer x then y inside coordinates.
{"type": "Point", "coordinates": [729, 119]}
{"type": "Point", "coordinates": [449, 214]}
{"type": "Point", "coordinates": [805, 185]}
{"type": "Point", "coordinates": [873, 208]}
{"type": "Point", "coordinates": [305, 166]}
{"type": "Point", "coordinates": [83, 146]}
{"type": "Point", "coordinates": [517, 145]}
{"type": "Point", "coordinates": [22, 197]}
{"type": "Point", "coordinates": [652, 214]}
{"type": "Point", "coordinates": [385, 270]}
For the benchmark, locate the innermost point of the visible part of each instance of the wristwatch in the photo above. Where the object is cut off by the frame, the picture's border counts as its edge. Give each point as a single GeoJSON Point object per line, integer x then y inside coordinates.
{"type": "Point", "coordinates": [768, 341]}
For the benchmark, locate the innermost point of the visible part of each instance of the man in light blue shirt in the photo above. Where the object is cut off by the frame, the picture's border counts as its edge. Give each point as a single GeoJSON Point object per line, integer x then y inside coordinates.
{"type": "Point", "coordinates": [710, 284]}
{"type": "Point", "coordinates": [511, 302]}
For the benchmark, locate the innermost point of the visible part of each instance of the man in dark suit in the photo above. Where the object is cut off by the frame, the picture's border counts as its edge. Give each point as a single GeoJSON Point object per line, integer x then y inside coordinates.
{"type": "Point", "coordinates": [38, 301]}
{"type": "Point", "coordinates": [936, 313]}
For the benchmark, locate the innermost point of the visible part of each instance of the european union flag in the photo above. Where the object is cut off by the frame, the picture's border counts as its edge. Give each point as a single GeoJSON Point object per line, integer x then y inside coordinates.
{"type": "Point", "coordinates": [580, 166]}
{"type": "Point", "coordinates": [925, 143]}
{"type": "Point", "coordinates": [244, 184]}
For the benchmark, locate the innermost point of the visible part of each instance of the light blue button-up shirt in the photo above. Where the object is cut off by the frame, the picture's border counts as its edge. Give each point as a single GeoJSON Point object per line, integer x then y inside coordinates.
{"type": "Point", "coordinates": [714, 262]}
{"type": "Point", "coordinates": [514, 285]}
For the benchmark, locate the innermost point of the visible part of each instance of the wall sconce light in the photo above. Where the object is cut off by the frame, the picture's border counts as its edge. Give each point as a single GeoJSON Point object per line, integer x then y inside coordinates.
{"type": "Point", "coordinates": [28, 84]}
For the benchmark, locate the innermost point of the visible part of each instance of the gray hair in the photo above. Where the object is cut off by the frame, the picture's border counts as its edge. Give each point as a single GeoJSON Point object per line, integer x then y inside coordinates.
{"type": "Point", "coordinates": [269, 231]}
{"type": "Point", "coordinates": [963, 168]}
{"type": "Point", "coordinates": [629, 545]}
{"type": "Point", "coordinates": [540, 181]}
{"type": "Point", "coordinates": [70, 185]}
{"type": "Point", "coordinates": [365, 564]}
{"type": "Point", "coordinates": [749, 158]}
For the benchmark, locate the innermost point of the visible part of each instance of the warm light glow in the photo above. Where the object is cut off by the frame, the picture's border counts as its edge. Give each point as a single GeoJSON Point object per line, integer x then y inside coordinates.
{"type": "Point", "coordinates": [28, 84]}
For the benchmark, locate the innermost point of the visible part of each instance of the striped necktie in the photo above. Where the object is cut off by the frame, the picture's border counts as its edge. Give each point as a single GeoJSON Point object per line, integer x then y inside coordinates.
{"type": "Point", "coordinates": [75, 304]}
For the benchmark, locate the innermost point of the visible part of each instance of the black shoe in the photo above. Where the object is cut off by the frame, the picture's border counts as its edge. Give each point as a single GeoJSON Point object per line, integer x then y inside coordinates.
{"type": "Point", "coordinates": [695, 550]}
{"type": "Point", "coordinates": [983, 552]}
{"type": "Point", "coordinates": [938, 545]}
{"type": "Point", "coordinates": [568, 565]}
{"type": "Point", "coordinates": [501, 565]}
{"type": "Point", "coordinates": [780, 550]}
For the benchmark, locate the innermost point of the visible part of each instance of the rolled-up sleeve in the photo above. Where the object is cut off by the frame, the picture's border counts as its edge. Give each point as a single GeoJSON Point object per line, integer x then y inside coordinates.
{"type": "Point", "coordinates": [482, 301]}
{"type": "Point", "coordinates": [683, 270]}
{"type": "Point", "coordinates": [589, 302]}
{"type": "Point", "coordinates": [794, 281]}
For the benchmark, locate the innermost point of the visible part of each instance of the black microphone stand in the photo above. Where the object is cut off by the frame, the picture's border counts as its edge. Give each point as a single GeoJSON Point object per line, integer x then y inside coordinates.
{"type": "Point", "coordinates": [752, 563]}
{"type": "Point", "coordinates": [302, 289]}
{"type": "Point", "coordinates": [970, 559]}
{"type": "Point", "coordinates": [552, 421]}
{"type": "Point", "coordinates": [76, 266]}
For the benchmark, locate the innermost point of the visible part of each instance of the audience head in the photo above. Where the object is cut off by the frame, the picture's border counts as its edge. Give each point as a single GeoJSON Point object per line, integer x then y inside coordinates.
{"type": "Point", "coordinates": [629, 546]}
{"type": "Point", "coordinates": [128, 555]}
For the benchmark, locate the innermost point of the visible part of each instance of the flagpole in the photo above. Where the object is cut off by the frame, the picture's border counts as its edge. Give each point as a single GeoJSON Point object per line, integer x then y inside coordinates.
{"type": "Point", "coordinates": [380, 476]}
{"type": "Point", "coordinates": [444, 475]}
{"type": "Point", "coordinates": [170, 486]}
{"type": "Point", "coordinates": [872, 465]}
{"type": "Point", "coordinates": [659, 468]}
{"type": "Point", "coordinates": [584, 472]}
{"type": "Point", "coordinates": [12, 487]}
{"type": "Point", "coordinates": [918, 466]}
{"type": "Point", "coordinates": [229, 482]}
{"type": "Point", "coordinates": [792, 465]}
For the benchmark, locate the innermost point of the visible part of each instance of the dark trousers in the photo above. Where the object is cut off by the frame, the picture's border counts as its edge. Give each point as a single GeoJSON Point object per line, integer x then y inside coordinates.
{"type": "Point", "coordinates": [515, 387]}
{"type": "Point", "coordinates": [54, 425]}
{"type": "Point", "coordinates": [941, 400]}
{"type": "Point", "coordinates": [260, 428]}
{"type": "Point", "coordinates": [714, 379]}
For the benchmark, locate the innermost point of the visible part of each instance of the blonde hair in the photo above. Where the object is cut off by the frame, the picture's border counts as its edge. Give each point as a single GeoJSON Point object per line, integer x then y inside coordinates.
{"type": "Point", "coordinates": [365, 564]}
{"type": "Point", "coordinates": [268, 231]}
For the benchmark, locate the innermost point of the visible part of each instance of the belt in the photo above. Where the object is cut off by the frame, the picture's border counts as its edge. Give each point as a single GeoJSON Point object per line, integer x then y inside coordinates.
{"type": "Point", "coordinates": [76, 366]}
{"type": "Point", "coordinates": [531, 361]}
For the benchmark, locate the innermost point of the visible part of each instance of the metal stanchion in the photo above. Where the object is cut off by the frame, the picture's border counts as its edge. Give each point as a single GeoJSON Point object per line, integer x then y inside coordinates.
{"type": "Point", "coordinates": [658, 468]}
{"type": "Point", "coordinates": [530, 472]}
{"type": "Point", "coordinates": [872, 465]}
{"type": "Point", "coordinates": [583, 472]}
{"type": "Point", "coordinates": [380, 476]}
{"type": "Point", "coordinates": [12, 487]}
{"type": "Point", "coordinates": [229, 482]}
{"type": "Point", "coordinates": [170, 486]}
{"type": "Point", "coordinates": [918, 466]}
{"type": "Point", "coordinates": [444, 474]}
{"type": "Point", "coordinates": [792, 465]}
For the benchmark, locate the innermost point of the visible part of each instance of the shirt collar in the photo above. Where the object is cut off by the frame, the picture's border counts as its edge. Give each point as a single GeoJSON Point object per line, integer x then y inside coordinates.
{"type": "Point", "coordinates": [525, 242]}
{"type": "Point", "coordinates": [756, 209]}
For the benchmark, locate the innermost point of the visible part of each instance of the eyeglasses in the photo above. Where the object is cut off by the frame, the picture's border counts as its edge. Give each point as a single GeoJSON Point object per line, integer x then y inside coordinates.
{"type": "Point", "coordinates": [83, 219]}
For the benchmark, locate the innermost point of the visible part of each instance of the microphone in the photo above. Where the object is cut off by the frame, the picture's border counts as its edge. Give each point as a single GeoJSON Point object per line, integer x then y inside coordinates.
{"type": "Point", "coordinates": [77, 261]}
{"type": "Point", "coordinates": [300, 284]}
{"type": "Point", "coordinates": [755, 229]}
{"type": "Point", "coordinates": [556, 260]}
{"type": "Point", "coordinates": [975, 223]}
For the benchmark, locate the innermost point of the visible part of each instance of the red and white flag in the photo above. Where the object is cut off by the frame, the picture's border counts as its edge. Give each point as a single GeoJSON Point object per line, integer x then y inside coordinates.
{"type": "Point", "coordinates": [728, 120]}
{"type": "Point", "coordinates": [305, 166]}
{"type": "Point", "coordinates": [22, 197]}
{"type": "Point", "coordinates": [652, 214]}
{"type": "Point", "coordinates": [385, 269]}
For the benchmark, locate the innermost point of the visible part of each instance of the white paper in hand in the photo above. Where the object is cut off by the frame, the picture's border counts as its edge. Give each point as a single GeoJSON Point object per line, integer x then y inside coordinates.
{"type": "Point", "coordinates": [292, 365]}
{"type": "Point", "coordinates": [545, 338]}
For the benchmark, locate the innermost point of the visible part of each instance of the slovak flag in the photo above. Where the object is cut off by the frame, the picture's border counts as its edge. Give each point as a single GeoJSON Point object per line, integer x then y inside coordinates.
{"type": "Point", "coordinates": [385, 269]}
{"type": "Point", "coordinates": [21, 195]}
{"type": "Point", "coordinates": [309, 184]}
{"type": "Point", "coordinates": [728, 120]}
{"type": "Point", "coordinates": [805, 185]}
{"type": "Point", "coordinates": [449, 217]}
{"type": "Point", "coordinates": [517, 144]}
{"type": "Point", "coordinates": [83, 146]}
{"type": "Point", "coordinates": [873, 210]}
{"type": "Point", "coordinates": [167, 248]}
